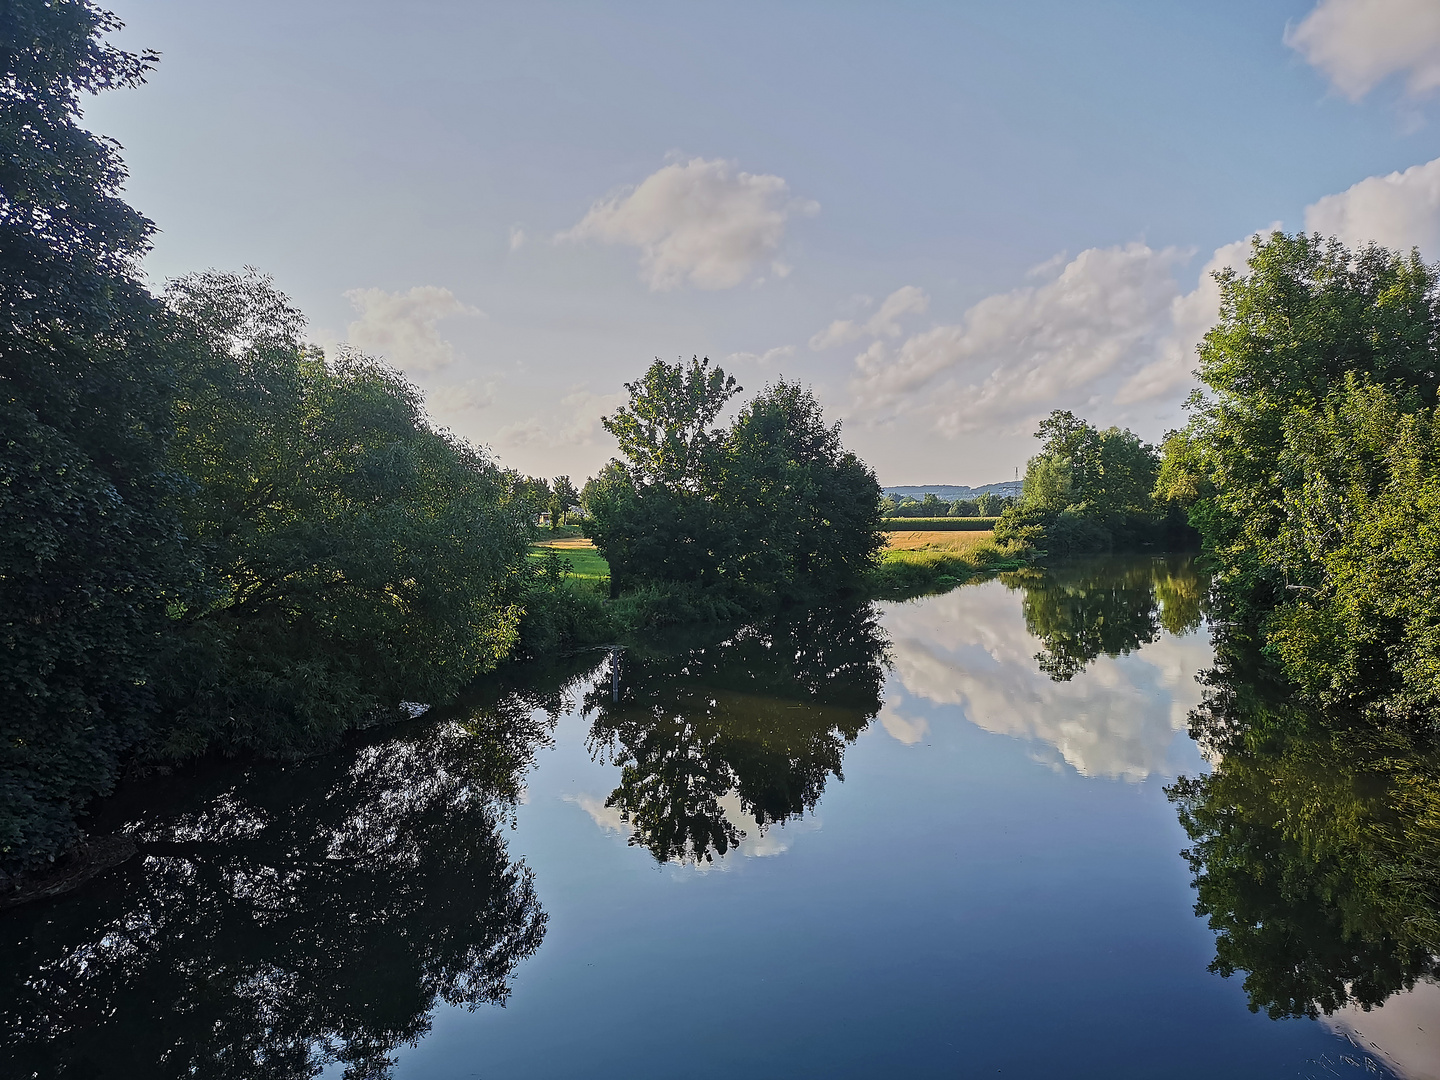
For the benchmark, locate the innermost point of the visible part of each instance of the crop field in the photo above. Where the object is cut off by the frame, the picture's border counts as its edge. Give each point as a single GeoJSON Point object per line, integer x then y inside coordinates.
{"type": "Point", "coordinates": [944, 524]}
{"type": "Point", "coordinates": [934, 540]}
{"type": "Point", "coordinates": [585, 562]}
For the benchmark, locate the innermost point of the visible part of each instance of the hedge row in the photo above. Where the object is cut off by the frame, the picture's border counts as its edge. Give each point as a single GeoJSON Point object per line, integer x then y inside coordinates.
{"type": "Point", "coordinates": [945, 524]}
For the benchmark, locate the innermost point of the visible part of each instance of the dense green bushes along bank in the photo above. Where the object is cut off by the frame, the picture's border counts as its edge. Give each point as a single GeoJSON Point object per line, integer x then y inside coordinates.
{"type": "Point", "coordinates": [212, 537]}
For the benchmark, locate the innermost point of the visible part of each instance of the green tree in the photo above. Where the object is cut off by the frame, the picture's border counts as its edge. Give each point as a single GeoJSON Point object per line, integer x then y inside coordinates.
{"type": "Point", "coordinates": [1309, 466]}
{"type": "Point", "coordinates": [90, 549]}
{"type": "Point", "coordinates": [563, 499]}
{"type": "Point", "coordinates": [800, 511]}
{"type": "Point", "coordinates": [1087, 490]}
{"type": "Point", "coordinates": [355, 558]}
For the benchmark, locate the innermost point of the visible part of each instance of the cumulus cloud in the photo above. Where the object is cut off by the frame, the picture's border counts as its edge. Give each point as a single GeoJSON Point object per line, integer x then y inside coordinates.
{"type": "Point", "coordinates": [907, 300]}
{"type": "Point", "coordinates": [460, 399]}
{"type": "Point", "coordinates": [1358, 44]}
{"type": "Point", "coordinates": [402, 326]}
{"type": "Point", "coordinates": [1401, 210]}
{"type": "Point", "coordinates": [575, 422]}
{"type": "Point", "coordinates": [697, 222]}
{"type": "Point", "coordinates": [517, 238]}
{"type": "Point", "coordinates": [1190, 316]}
{"type": "Point", "coordinates": [1122, 717]}
{"type": "Point", "coordinates": [765, 359]}
{"type": "Point", "coordinates": [1016, 354]}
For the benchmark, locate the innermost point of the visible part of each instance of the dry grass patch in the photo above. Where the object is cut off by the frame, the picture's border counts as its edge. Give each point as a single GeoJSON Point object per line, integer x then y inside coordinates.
{"type": "Point", "coordinates": [954, 542]}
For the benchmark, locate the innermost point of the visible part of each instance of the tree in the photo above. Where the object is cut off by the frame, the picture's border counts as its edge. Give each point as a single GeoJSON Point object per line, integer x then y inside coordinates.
{"type": "Point", "coordinates": [90, 549]}
{"type": "Point", "coordinates": [772, 507]}
{"type": "Point", "coordinates": [563, 499]}
{"type": "Point", "coordinates": [1087, 490]}
{"type": "Point", "coordinates": [355, 558]}
{"type": "Point", "coordinates": [801, 511]}
{"type": "Point", "coordinates": [1310, 469]}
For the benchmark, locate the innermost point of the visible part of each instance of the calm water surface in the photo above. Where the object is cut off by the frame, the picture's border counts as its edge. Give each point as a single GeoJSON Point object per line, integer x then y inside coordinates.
{"type": "Point", "coordinates": [921, 839]}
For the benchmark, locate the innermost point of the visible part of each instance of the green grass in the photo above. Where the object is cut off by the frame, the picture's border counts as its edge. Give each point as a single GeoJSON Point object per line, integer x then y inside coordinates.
{"type": "Point", "coordinates": [585, 563]}
{"type": "Point", "coordinates": [914, 573]}
{"type": "Point", "coordinates": [945, 524]}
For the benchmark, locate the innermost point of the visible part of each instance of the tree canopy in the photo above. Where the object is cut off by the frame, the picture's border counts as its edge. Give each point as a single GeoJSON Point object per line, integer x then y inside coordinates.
{"type": "Point", "coordinates": [770, 507]}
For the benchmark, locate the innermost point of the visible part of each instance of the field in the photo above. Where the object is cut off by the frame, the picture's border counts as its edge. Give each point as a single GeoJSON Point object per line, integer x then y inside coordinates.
{"type": "Point", "coordinates": [944, 524]}
{"type": "Point", "coordinates": [585, 562]}
{"type": "Point", "coordinates": [934, 540]}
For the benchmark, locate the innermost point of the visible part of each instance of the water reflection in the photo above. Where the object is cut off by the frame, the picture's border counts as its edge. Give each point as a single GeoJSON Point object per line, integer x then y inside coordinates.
{"type": "Point", "coordinates": [746, 730]}
{"type": "Point", "coordinates": [1316, 845]}
{"type": "Point", "coordinates": [1111, 688]}
{"type": "Point", "coordinates": [1105, 607]}
{"type": "Point", "coordinates": [279, 920]}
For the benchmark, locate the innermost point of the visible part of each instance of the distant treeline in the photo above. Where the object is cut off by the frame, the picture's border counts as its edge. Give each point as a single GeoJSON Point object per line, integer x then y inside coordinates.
{"type": "Point", "coordinates": [932, 506]}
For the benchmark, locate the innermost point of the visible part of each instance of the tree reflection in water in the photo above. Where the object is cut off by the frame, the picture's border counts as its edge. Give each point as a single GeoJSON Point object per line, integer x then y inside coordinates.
{"type": "Point", "coordinates": [1315, 844]}
{"type": "Point", "coordinates": [287, 918]}
{"type": "Point", "coordinates": [764, 715]}
{"type": "Point", "coordinates": [1112, 606]}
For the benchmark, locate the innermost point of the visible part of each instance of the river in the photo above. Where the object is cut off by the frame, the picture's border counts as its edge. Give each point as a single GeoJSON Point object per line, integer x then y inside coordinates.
{"type": "Point", "coordinates": [922, 838]}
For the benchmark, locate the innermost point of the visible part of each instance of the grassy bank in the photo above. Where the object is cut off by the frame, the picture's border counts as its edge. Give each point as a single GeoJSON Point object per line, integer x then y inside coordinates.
{"type": "Point", "coordinates": [943, 524]}
{"type": "Point", "coordinates": [573, 609]}
{"type": "Point", "coordinates": [905, 573]}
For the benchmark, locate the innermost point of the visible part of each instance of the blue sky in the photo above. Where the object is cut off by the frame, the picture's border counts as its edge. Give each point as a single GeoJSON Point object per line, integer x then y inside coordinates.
{"type": "Point", "coordinates": [948, 218]}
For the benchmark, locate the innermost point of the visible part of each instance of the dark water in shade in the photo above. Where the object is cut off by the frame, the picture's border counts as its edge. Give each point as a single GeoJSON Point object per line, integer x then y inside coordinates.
{"type": "Point", "coordinates": [549, 882]}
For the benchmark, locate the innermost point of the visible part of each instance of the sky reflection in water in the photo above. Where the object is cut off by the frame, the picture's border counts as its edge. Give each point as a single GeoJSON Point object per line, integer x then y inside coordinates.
{"type": "Point", "coordinates": [774, 856]}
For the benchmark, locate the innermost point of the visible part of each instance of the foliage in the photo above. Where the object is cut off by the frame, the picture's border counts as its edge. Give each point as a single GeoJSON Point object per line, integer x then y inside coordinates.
{"type": "Point", "coordinates": [753, 730]}
{"type": "Point", "coordinates": [1087, 490]}
{"type": "Point", "coordinates": [964, 524]}
{"type": "Point", "coordinates": [355, 558]}
{"type": "Point", "coordinates": [1310, 468]}
{"type": "Point", "coordinates": [563, 499]}
{"type": "Point", "coordinates": [772, 507]}
{"type": "Point", "coordinates": [89, 550]}
{"type": "Point", "coordinates": [986, 505]}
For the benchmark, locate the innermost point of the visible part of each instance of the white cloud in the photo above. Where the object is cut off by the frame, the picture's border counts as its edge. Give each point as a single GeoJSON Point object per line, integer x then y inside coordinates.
{"type": "Point", "coordinates": [459, 399]}
{"type": "Point", "coordinates": [402, 326]}
{"type": "Point", "coordinates": [1018, 354]}
{"type": "Point", "coordinates": [1191, 315]}
{"type": "Point", "coordinates": [1359, 44]}
{"type": "Point", "coordinates": [575, 422]}
{"type": "Point", "coordinates": [1401, 210]}
{"type": "Point", "coordinates": [1122, 717]}
{"type": "Point", "coordinates": [517, 237]}
{"type": "Point", "coordinates": [698, 222]}
{"type": "Point", "coordinates": [907, 300]}
{"type": "Point", "coordinates": [765, 359]}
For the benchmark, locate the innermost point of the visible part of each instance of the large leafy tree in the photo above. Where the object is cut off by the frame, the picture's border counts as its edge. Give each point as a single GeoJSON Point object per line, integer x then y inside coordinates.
{"type": "Point", "coordinates": [1310, 465]}
{"type": "Point", "coordinates": [1087, 489]}
{"type": "Point", "coordinates": [802, 513]}
{"type": "Point", "coordinates": [771, 506]}
{"type": "Point", "coordinates": [355, 557]}
{"type": "Point", "coordinates": [90, 552]}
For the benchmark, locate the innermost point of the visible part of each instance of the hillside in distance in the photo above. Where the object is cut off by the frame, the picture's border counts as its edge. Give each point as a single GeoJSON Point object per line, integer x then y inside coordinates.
{"type": "Point", "coordinates": [951, 492]}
